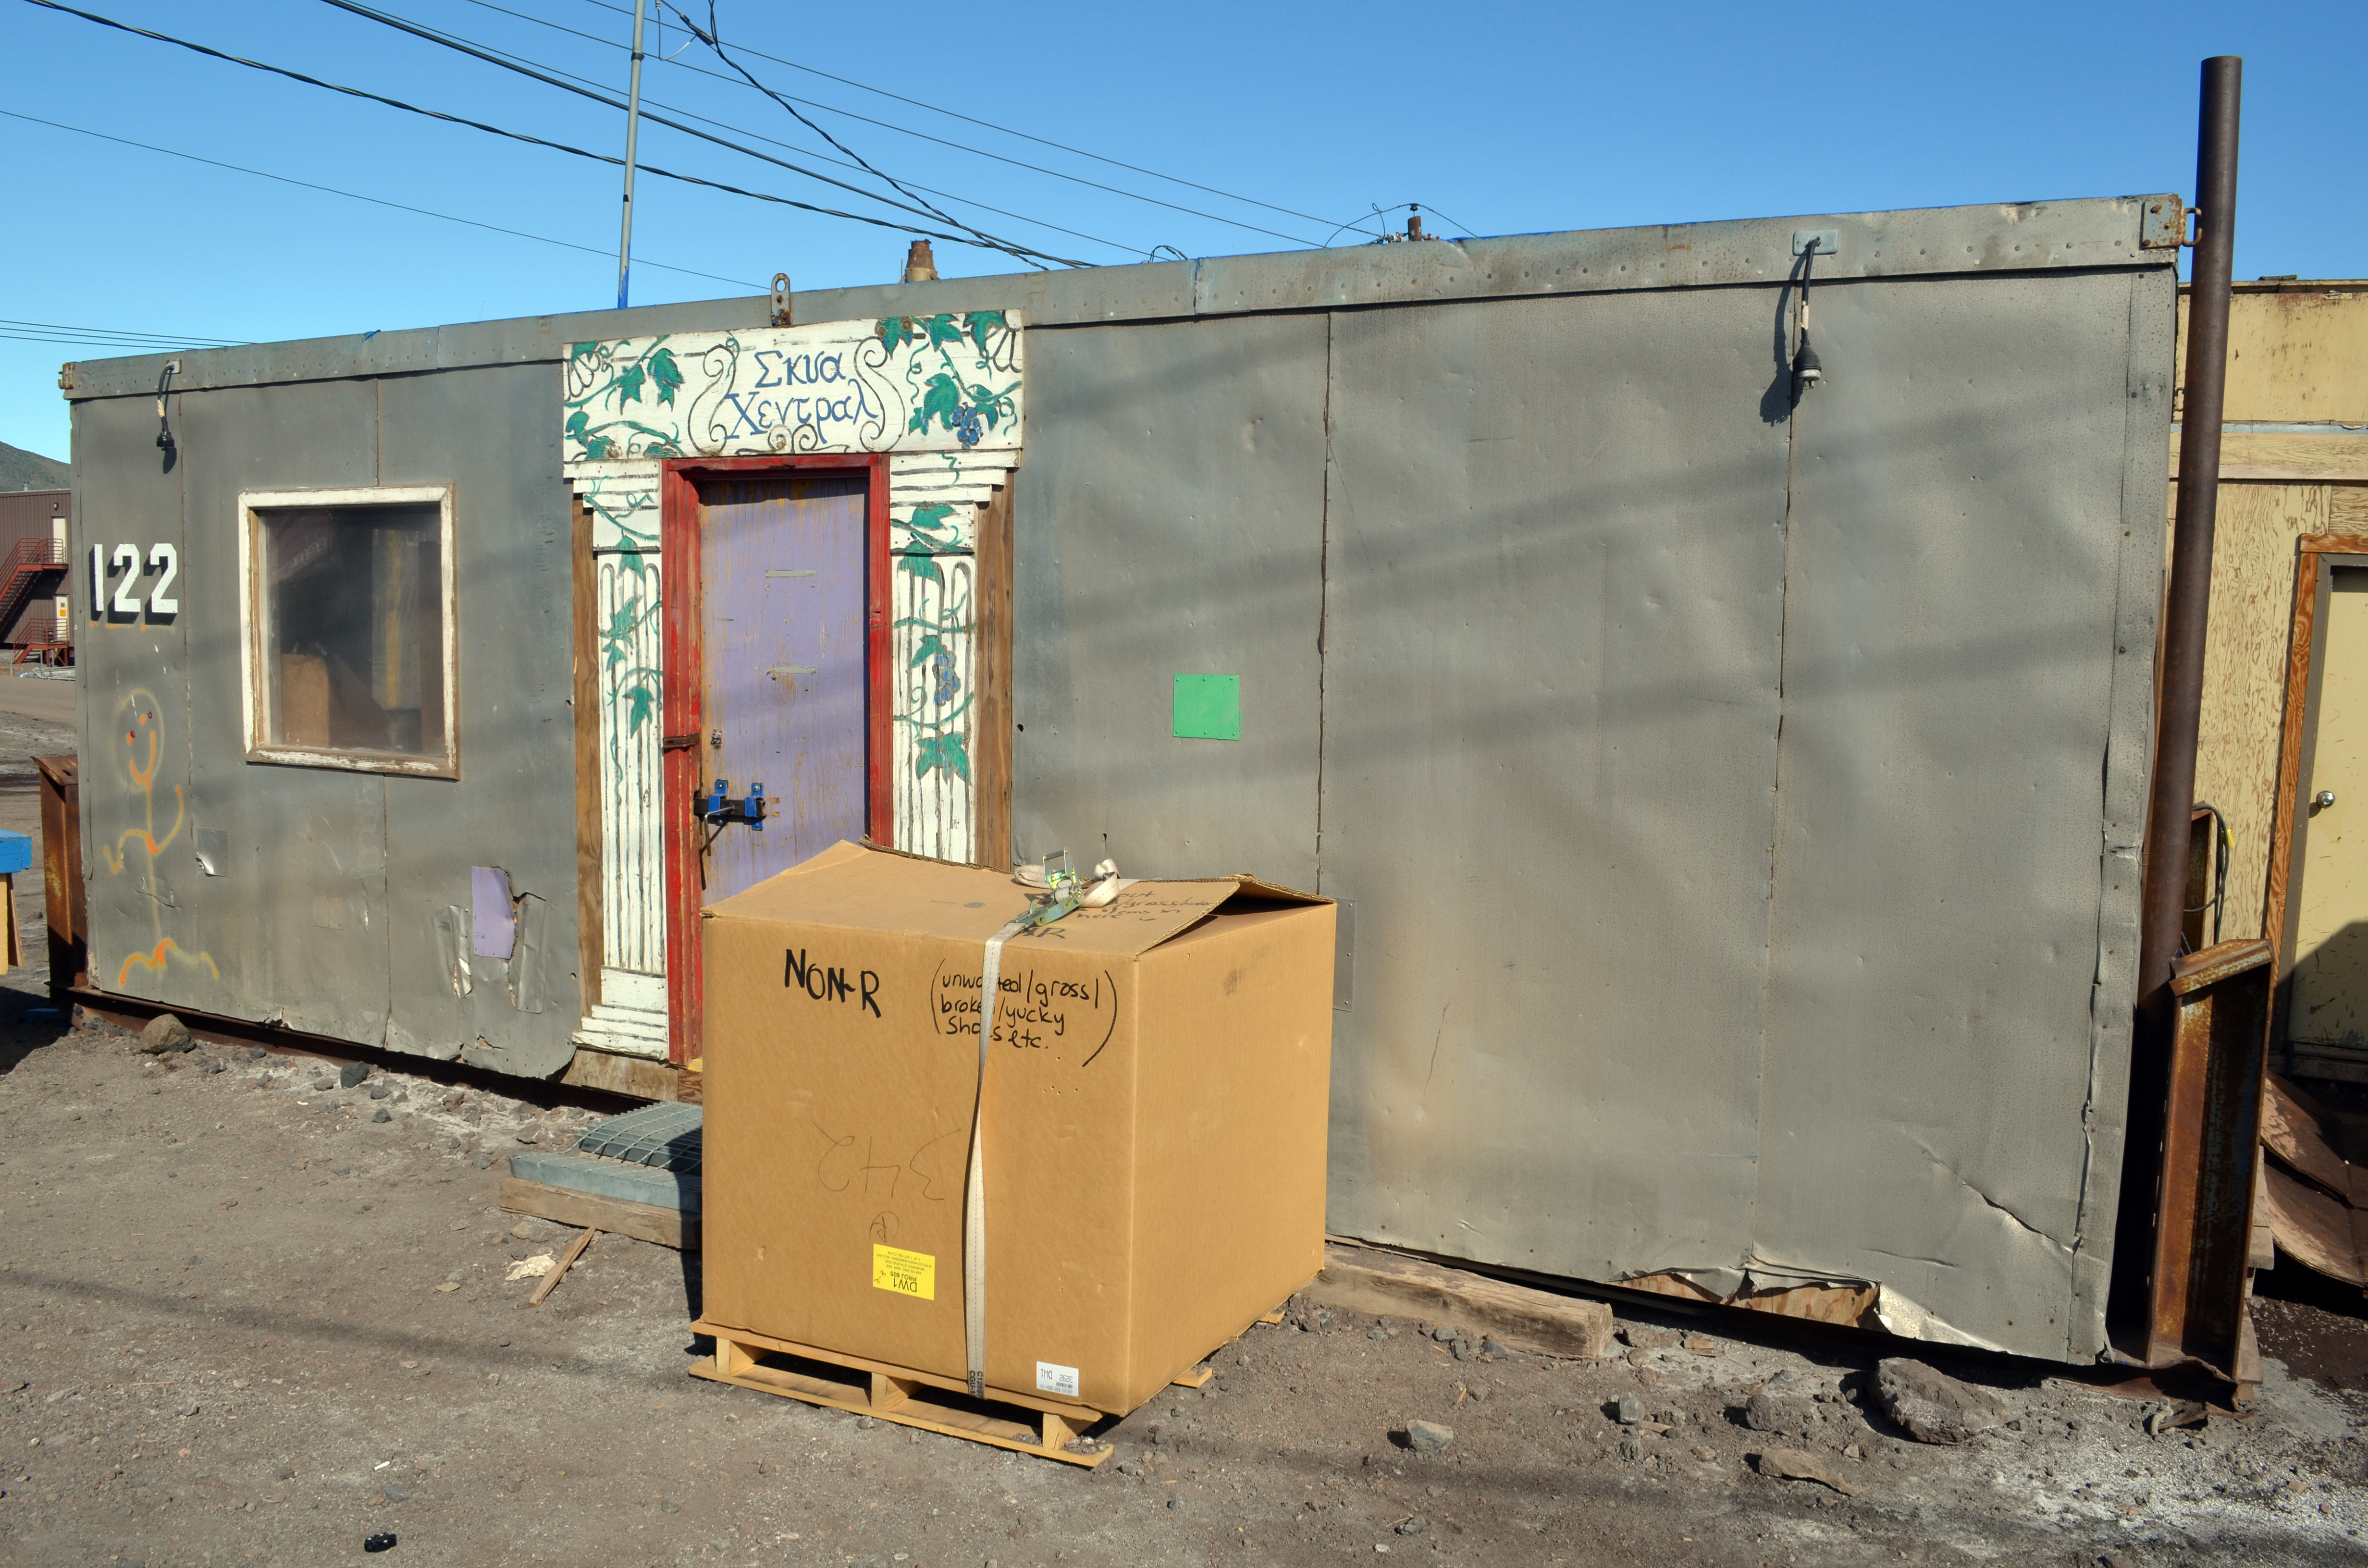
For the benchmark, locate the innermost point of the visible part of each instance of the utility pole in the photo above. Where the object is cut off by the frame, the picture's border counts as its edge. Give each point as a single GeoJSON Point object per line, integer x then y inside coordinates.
{"type": "Point", "coordinates": [633, 127]}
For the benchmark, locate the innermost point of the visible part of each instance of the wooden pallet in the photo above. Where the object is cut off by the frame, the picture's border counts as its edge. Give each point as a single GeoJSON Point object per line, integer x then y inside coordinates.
{"type": "Point", "coordinates": [1034, 1425]}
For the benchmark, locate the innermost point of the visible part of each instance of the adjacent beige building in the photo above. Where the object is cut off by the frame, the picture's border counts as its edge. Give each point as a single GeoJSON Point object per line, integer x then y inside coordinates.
{"type": "Point", "coordinates": [2284, 752]}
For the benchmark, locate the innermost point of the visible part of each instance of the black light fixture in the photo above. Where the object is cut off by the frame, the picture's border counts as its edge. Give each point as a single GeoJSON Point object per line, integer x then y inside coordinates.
{"type": "Point", "coordinates": [164, 425]}
{"type": "Point", "coordinates": [1807, 368]}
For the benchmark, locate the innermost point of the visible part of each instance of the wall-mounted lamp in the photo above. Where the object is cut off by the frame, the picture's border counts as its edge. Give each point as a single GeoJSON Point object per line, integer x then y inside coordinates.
{"type": "Point", "coordinates": [1807, 369]}
{"type": "Point", "coordinates": [164, 388]}
{"type": "Point", "coordinates": [1809, 244]}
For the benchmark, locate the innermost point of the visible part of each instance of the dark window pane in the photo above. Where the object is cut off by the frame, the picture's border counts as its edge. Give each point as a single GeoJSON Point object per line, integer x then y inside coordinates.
{"type": "Point", "coordinates": [353, 629]}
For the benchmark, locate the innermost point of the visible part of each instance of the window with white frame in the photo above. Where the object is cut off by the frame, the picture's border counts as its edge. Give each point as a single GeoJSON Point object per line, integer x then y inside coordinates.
{"type": "Point", "coordinates": [348, 647]}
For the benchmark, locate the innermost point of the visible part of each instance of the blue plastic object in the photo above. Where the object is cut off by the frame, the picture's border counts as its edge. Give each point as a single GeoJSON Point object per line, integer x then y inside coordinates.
{"type": "Point", "coordinates": [720, 808]}
{"type": "Point", "coordinates": [16, 851]}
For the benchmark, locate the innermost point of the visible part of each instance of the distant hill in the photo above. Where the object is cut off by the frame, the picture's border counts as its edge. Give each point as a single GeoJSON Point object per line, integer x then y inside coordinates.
{"type": "Point", "coordinates": [21, 469]}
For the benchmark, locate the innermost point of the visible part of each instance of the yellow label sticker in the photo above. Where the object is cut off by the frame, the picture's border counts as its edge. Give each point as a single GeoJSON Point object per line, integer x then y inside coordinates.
{"type": "Point", "coordinates": [907, 1273]}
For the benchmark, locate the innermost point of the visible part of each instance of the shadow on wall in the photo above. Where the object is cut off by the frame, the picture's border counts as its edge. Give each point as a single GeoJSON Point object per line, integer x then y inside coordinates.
{"type": "Point", "coordinates": [1783, 395]}
{"type": "Point", "coordinates": [2329, 977]}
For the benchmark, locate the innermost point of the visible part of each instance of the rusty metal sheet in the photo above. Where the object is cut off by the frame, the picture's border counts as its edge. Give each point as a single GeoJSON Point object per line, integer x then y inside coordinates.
{"type": "Point", "coordinates": [2297, 1132]}
{"type": "Point", "coordinates": [1170, 519]}
{"type": "Point", "coordinates": [2315, 1194]}
{"type": "Point", "coordinates": [1549, 720]}
{"type": "Point", "coordinates": [2315, 1228]}
{"type": "Point", "coordinates": [2203, 1201]}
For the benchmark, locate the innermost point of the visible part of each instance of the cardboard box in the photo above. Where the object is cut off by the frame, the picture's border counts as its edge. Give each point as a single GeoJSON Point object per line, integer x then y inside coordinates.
{"type": "Point", "coordinates": [1155, 1109]}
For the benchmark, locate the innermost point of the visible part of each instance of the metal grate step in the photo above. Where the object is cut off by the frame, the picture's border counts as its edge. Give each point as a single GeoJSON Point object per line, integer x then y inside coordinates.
{"type": "Point", "coordinates": [665, 1136]}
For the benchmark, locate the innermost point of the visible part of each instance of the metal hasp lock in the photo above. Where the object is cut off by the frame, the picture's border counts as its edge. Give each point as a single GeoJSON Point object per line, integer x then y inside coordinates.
{"type": "Point", "coordinates": [717, 809]}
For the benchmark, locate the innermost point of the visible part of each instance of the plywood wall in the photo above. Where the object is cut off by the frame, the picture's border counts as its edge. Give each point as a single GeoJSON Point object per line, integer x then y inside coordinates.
{"type": "Point", "coordinates": [2244, 676]}
{"type": "Point", "coordinates": [2297, 360]}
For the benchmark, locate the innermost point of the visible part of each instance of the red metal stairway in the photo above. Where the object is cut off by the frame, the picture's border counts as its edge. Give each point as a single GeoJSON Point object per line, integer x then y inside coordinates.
{"type": "Point", "coordinates": [26, 564]}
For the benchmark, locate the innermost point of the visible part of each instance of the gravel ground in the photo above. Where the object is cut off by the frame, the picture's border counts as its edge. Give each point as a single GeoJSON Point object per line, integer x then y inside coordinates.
{"type": "Point", "coordinates": [242, 1322]}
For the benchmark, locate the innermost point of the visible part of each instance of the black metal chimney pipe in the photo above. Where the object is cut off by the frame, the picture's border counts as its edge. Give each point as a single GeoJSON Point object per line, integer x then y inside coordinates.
{"type": "Point", "coordinates": [2188, 603]}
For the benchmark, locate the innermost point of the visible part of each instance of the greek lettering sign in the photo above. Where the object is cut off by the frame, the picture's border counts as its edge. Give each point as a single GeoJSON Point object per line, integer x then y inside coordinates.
{"type": "Point", "coordinates": [948, 382]}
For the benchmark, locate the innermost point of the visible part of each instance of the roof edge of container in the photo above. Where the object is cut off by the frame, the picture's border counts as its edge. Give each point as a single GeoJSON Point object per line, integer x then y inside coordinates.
{"type": "Point", "coordinates": [1994, 237]}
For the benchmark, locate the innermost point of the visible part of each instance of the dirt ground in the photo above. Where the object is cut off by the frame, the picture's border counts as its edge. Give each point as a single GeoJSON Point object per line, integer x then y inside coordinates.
{"type": "Point", "coordinates": [243, 1321]}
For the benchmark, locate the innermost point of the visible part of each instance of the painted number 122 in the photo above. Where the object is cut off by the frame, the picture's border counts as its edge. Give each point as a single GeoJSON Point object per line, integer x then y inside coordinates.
{"type": "Point", "coordinates": [125, 559]}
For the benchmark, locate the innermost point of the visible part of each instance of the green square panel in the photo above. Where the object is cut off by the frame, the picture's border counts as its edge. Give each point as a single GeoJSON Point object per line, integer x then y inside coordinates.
{"type": "Point", "coordinates": [1208, 708]}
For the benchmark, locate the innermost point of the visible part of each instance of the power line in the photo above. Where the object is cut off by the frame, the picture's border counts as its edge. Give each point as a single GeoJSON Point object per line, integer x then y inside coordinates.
{"type": "Point", "coordinates": [73, 340]}
{"type": "Point", "coordinates": [124, 331]}
{"type": "Point", "coordinates": [374, 201]}
{"type": "Point", "coordinates": [943, 141]}
{"type": "Point", "coordinates": [648, 102]}
{"type": "Point", "coordinates": [713, 38]}
{"type": "Point", "coordinates": [512, 135]}
{"type": "Point", "coordinates": [107, 337]}
{"type": "Point", "coordinates": [987, 124]}
{"type": "Point", "coordinates": [986, 241]}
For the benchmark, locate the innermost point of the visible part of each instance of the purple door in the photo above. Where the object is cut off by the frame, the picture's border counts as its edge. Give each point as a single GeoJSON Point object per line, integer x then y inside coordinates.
{"type": "Point", "coordinates": [781, 601]}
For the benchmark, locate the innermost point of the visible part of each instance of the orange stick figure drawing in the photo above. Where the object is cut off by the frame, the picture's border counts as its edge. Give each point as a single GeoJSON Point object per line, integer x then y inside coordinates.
{"type": "Point", "coordinates": [141, 720]}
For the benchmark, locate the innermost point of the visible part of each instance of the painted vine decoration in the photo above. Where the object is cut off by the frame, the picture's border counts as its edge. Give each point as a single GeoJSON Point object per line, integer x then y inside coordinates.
{"type": "Point", "coordinates": [621, 513]}
{"type": "Point", "coordinates": [966, 410]}
{"type": "Point", "coordinates": [633, 685]}
{"type": "Point", "coordinates": [937, 721]}
{"type": "Point", "coordinates": [600, 380]}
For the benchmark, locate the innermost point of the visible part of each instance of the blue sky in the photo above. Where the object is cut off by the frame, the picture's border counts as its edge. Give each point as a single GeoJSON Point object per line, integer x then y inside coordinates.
{"type": "Point", "coordinates": [1511, 119]}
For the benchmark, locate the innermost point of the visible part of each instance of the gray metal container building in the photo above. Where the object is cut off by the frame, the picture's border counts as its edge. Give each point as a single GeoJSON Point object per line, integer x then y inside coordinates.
{"type": "Point", "coordinates": [1735, 795]}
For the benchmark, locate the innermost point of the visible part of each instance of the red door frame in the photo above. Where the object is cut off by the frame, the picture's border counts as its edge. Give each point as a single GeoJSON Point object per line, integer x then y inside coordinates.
{"type": "Point", "coordinates": [682, 702]}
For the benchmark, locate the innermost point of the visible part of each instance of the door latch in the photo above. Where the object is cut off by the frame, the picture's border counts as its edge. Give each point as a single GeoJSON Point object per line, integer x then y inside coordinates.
{"type": "Point", "coordinates": [717, 808]}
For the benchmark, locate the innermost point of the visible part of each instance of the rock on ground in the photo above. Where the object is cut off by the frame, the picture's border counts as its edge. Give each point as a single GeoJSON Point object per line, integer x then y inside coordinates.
{"type": "Point", "coordinates": [1428, 1437]}
{"type": "Point", "coordinates": [1933, 1407]}
{"type": "Point", "coordinates": [163, 1033]}
{"type": "Point", "coordinates": [1793, 1464]}
{"type": "Point", "coordinates": [1792, 1415]}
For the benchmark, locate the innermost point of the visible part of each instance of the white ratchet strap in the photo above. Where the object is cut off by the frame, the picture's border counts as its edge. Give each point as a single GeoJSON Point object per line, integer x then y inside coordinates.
{"type": "Point", "coordinates": [1094, 895]}
{"type": "Point", "coordinates": [974, 1183]}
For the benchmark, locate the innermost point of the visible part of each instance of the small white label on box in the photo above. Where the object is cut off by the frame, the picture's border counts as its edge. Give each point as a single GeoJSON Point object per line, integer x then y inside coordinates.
{"type": "Point", "coordinates": [1056, 1379]}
